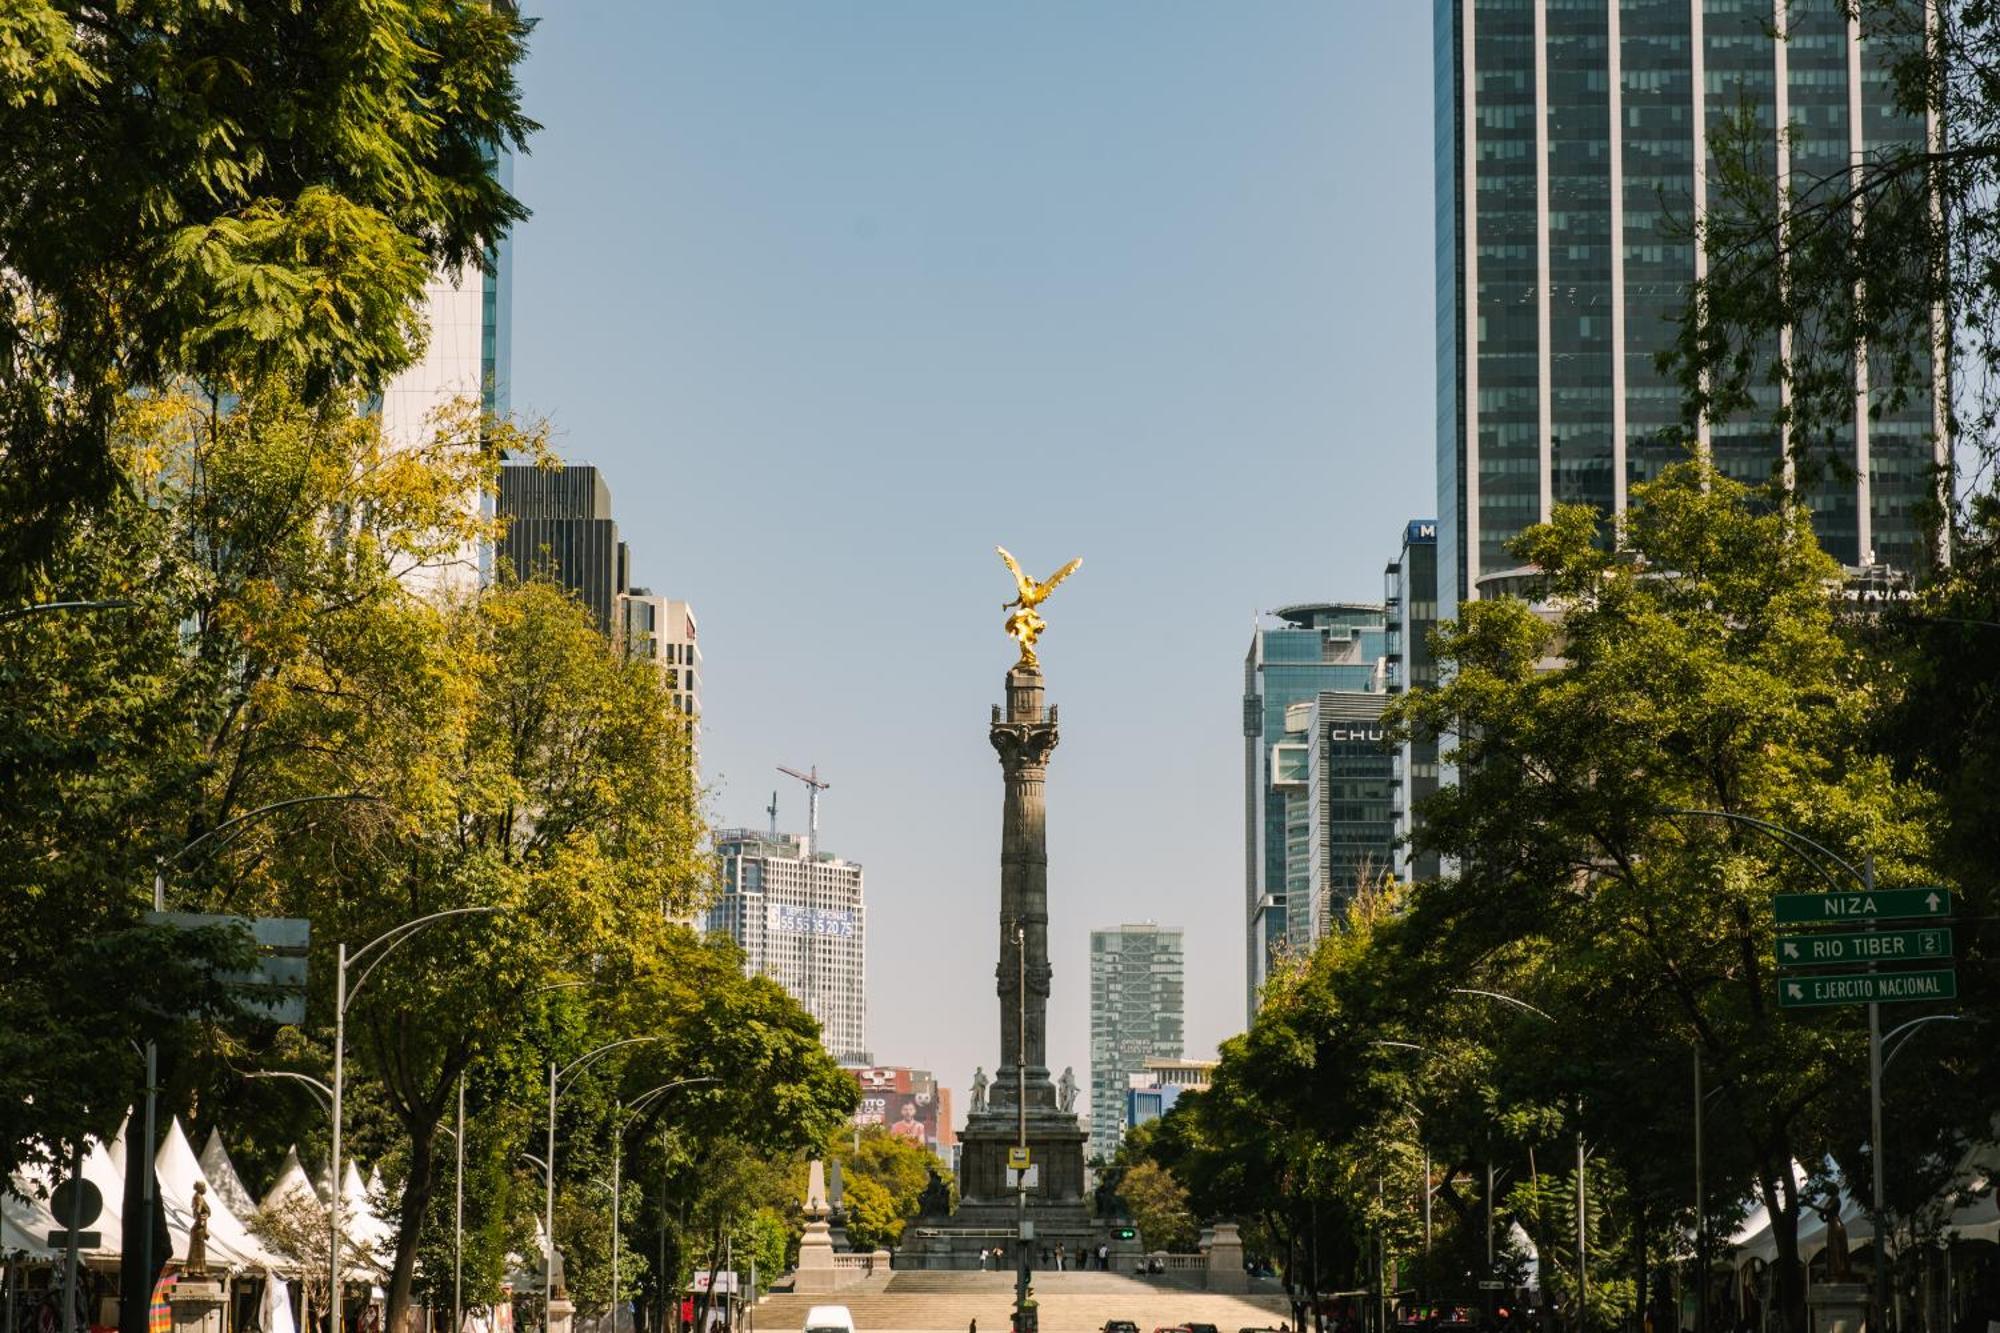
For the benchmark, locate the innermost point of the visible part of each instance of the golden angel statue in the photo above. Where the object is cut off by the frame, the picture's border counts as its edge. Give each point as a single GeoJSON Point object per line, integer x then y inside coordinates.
{"type": "Point", "coordinates": [1026, 625]}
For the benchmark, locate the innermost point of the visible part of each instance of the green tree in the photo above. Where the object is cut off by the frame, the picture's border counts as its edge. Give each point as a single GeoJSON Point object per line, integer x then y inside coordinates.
{"type": "Point", "coordinates": [1701, 669]}
{"type": "Point", "coordinates": [1159, 1204]}
{"type": "Point", "coordinates": [217, 190]}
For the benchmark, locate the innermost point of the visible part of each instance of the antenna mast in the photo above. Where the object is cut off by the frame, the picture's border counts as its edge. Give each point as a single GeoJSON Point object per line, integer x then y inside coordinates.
{"type": "Point", "coordinates": [813, 788]}
{"type": "Point", "coordinates": [772, 810]}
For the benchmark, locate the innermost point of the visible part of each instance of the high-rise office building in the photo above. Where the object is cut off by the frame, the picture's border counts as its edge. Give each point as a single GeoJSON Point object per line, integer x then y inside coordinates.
{"type": "Point", "coordinates": [1411, 593]}
{"type": "Point", "coordinates": [1137, 975]}
{"type": "Point", "coordinates": [1572, 147]}
{"type": "Point", "coordinates": [1296, 654]}
{"type": "Point", "coordinates": [1350, 775]}
{"type": "Point", "coordinates": [559, 527]}
{"type": "Point", "coordinates": [468, 354]}
{"type": "Point", "coordinates": [797, 914]}
{"type": "Point", "coordinates": [662, 630]}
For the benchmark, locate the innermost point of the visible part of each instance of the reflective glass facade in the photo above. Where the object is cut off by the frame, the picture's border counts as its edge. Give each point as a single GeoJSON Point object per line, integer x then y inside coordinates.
{"type": "Point", "coordinates": [1300, 652]}
{"type": "Point", "coordinates": [1568, 133]}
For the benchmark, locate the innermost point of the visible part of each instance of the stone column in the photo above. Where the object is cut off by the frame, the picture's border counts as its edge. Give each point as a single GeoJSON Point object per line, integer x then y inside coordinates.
{"type": "Point", "coordinates": [1025, 737]}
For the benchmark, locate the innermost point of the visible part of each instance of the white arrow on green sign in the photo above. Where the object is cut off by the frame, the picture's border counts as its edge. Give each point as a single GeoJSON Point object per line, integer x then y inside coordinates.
{"type": "Point", "coordinates": [1864, 946]}
{"type": "Point", "coordinates": [1866, 988]}
{"type": "Point", "coordinates": [1840, 909]}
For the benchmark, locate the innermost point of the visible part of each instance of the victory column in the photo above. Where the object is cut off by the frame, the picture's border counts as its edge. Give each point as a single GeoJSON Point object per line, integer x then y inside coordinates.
{"type": "Point", "coordinates": [1021, 1106]}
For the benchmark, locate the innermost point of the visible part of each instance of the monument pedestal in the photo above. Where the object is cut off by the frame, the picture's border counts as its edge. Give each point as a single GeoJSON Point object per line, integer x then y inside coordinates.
{"type": "Point", "coordinates": [817, 1273]}
{"type": "Point", "coordinates": [1837, 1307]}
{"type": "Point", "coordinates": [197, 1305]}
{"type": "Point", "coordinates": [562, 1315]}
{"type": "Point", "coordinates": [1225, 1260]}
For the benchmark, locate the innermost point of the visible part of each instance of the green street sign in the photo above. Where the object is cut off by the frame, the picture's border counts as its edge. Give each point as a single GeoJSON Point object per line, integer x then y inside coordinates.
{"type": "Point", "coordinates": [1865, 946]}
{"type": "Point", "coordinates": [1841, 909]}
{"type": "Point", "coordinates": [1866, 988]}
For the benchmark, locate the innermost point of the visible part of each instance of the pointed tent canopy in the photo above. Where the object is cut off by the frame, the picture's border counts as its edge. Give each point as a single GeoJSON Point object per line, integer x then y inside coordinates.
{"type": "Point", "coordinates": [26, 1221]}
{"type": "Point", "coordinates": [222, 1178]}
{"type": "Point", "coordinates": [292, 1181]}
{"type": "Point", "coordinates": [230, 1244]}
{"type": "Point", "coordinates": [359, 1219]}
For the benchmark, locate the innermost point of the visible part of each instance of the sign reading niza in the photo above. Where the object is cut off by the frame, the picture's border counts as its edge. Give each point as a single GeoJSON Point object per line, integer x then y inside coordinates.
{"type": "Point", "coordinates": [1866, 988]}
{"type": "Point", "coordinates": [1864, 946]}
{"type": "Point", "coordinates": [1800, 909]}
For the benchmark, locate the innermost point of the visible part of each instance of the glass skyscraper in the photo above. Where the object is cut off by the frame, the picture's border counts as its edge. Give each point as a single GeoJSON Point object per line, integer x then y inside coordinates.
{"type": "Point", "coordinates": [1302, 651]}
{"type": "Point", "coordinates": [1137, 985]}
{"type": "Point", "coordinates": [1568, 137]}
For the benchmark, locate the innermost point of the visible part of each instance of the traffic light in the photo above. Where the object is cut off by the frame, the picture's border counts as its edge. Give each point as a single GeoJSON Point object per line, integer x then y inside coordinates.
{"type": "Point", "coordinates": [1128, 1233]}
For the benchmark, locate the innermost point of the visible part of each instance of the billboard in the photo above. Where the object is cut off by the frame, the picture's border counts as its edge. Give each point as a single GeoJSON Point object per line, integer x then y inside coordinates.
{"type": "Point", "coordinates": [831, 924]}
{"type": "Point", "coordinates": [908, 1101]}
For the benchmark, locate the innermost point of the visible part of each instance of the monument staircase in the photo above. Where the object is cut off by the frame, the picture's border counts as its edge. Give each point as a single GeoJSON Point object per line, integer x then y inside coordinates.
{"type": "Point", "coordinates": [948, 1302]}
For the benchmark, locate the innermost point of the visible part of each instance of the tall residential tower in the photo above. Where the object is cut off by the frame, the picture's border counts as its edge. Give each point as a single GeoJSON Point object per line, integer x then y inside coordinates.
{"type": "Point", "coordinates": [1137, 983]}
{"type": "Point", "coordinates": [798, 916]}
{"type": "Point", "coordinates": [1572, 149]}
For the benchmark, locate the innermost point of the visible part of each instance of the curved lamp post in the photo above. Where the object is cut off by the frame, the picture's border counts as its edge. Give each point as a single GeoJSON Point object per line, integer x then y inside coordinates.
{"type": "Point", "coordinates": [639, 1103]}
{"type": "Point", "coordinates": [343, 995]}
{"type": "Point", "coordinates": [1818, 856]}
{"type": "Point", "coordinates": [1582, 1217]}
{"type": "Point", "coordinates": [556, 1075]}
{"type": "Point", "coordinates": [160, 864]}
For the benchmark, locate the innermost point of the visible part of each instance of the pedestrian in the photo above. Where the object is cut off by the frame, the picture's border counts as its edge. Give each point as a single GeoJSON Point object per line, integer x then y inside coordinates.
{"type": "Point", "coordinates": [1059, 1258]}
{"type": "Point", "coordinates": [1103, 1258]}
{"type": "Point", "coordinates": [973, 1327]}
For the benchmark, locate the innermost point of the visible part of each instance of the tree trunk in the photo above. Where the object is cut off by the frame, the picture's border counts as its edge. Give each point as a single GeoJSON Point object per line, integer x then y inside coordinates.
{"type": "Point", "coordinates": [417, 1191]}
{"type": "Point", "coordinates": [1788, 1287]}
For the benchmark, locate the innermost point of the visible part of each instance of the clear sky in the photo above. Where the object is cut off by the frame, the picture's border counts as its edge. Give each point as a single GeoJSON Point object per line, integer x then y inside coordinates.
{"type": "Point", "coordinates": [841, 294]}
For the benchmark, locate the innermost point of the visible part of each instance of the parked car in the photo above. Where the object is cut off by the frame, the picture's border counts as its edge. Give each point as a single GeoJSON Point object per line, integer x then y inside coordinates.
{"type": "Point", "coordinates": [829, 1319]}
{"type": "Point", "coordinates": [1119, 1326]}
{"type": "Point", "coordinates": [1201, 1328]}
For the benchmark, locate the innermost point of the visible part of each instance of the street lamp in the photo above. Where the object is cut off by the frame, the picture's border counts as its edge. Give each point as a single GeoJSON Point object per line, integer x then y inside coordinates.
{"type": "Point", "coordinates": [1582, 1228]}
{"type": "Point", "coordinates": [1021, 1105]}
{"type": "Point", "coordinates": [556, 1075]}
{"type": "Point", "coordinates": [1424, 1147]}
{"type": "Point", "coordinates": [639, 1103]}
{"type": "Point", "coordinates": [160, 864]}
{"type": "Point", "coordinates": [1811, 853]}
{"type": "Point", "coordinates": [108, 604]}
{"type": "Point", "coordinates": [343, 995]}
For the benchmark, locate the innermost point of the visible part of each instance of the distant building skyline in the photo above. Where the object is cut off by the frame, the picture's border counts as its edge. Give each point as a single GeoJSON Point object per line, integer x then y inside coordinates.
{"type": "Point", "coordinates": [1411, 598]}
{"type": "Point", "coordinates": [1138, 975]}
{"type": "Point", "coordinates": [1572, 144]}
{"type": "Point", "coordinates": [1302, 651]}
{"type": "Point", "coordinates": [801, 919]}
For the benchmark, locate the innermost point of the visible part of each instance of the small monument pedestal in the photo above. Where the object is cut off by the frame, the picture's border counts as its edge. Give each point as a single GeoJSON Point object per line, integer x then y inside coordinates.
{"type": "Point", "coordinates": [1225, 1260]}
{"type": "Point", "coordinates": [1837, 1307]}
{"type": "Point", "coordinates": [197, 1305]}
{"type": "Point", "coordinates": [562, 1315]}
{"type": "Point", "coordinates": [817, 1272]}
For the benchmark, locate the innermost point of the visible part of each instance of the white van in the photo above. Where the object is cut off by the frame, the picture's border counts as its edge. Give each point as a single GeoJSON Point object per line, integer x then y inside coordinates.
{"type": "Point", "coordinates": [829, 1319]}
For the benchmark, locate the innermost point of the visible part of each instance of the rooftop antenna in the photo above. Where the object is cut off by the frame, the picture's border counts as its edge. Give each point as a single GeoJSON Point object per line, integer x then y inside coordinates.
{"type": "Point", "coordinates": [813, 788]}
{"type": "Point", "coordinates": [772, 810]}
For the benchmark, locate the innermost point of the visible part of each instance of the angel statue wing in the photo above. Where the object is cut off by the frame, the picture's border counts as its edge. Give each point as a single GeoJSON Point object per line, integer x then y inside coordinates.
{"type": "Point", "coordinates": [1045, 589]}
{"type": "Point", "coordinates": [1022, 582]}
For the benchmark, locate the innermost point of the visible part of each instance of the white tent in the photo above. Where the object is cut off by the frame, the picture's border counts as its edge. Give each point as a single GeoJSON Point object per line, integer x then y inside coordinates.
{"type": "Point", "coordinates": [223, 1180]}
{"type": "Point", "coordinates": [230, 1244]}
{"type": "Point", "coordinates": [292, 1182]}
{"type": "Point", "coordinates": [26, 1221]}
{"type": "Point", "coordinates": [363, 1225]}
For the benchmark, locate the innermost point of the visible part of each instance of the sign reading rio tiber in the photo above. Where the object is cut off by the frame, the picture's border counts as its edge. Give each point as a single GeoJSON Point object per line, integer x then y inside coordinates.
{"type": "Point", "coordinates": [1932, 944]}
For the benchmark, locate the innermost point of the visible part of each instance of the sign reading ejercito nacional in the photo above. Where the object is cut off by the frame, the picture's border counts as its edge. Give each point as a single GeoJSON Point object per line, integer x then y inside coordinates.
{"type": "Point", "coordinates": [1866, 988]}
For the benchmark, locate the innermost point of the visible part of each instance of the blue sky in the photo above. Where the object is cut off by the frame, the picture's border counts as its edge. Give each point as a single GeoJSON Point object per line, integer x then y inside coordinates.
{"type": "Point", "coordinates": [841, 294]}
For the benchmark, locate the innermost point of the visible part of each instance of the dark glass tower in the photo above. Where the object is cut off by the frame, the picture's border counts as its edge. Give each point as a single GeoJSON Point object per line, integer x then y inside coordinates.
{"type": "Point", "coordinates": [1568, 136]}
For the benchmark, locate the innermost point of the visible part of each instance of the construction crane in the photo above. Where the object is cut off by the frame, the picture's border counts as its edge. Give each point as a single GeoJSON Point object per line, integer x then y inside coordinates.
{"type": "Point", "coordinates": [813, 788]}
